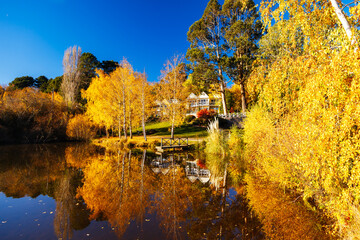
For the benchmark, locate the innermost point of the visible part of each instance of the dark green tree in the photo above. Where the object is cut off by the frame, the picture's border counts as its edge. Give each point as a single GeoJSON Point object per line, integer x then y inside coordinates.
{"type": "Point", "coordinates": [22, 82]}
{"type": "Point", "coordinates": [42, 83]}
{"type": "Point", "coordinates": [208, 50]}
{"type": "Point", "coordinates": [87, 65]}
{"type": "Point", "coordinates": [54, 84]}
{"type": "Point", "coordinates": [108, 66]}
{"type": "Point", "coordinates": [242, 32]}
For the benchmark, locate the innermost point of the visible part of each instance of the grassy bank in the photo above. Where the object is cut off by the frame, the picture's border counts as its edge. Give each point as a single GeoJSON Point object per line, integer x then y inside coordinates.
{"type": "Point", "coordinates": [155, 131]}
{"type": "Point", "coordinates": [163, 129]}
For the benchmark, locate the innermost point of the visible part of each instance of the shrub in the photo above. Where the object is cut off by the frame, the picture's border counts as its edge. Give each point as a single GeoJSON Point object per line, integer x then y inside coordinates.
{"type": "Point", "coordinates": [205, 115]}
{"type": "Point", "coordinates": [28, 116]}
{"type": "Point", "coordinates": [80, 128]}
{"type": "Point", "coordinates": [189, 119]}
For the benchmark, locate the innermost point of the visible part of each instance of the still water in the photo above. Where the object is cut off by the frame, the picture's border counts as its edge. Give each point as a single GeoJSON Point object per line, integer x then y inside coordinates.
{"type": "Point", "coordinates": [78, 191]}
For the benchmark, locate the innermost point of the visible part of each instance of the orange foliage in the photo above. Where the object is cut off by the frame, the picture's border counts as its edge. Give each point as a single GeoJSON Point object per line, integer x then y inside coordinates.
{"type": "Point", "coordinates": [28, 115]}
{"type": "Point", "coordinates": [80, 128]}
{"type": "Point", "coordinates": [282, 217]}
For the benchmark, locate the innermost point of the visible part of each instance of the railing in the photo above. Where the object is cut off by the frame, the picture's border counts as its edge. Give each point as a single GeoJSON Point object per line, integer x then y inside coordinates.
{"type": "Point", "coordinates": [202, 104]}
{"type": "Point", "coordinates": [174, 142]}
{"type": "Point", "coordinates": [231, 115]}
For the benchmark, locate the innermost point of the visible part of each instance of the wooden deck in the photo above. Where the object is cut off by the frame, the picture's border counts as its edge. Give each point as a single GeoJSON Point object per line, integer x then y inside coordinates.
{"type": "Point", "coordinates": [172, 143]}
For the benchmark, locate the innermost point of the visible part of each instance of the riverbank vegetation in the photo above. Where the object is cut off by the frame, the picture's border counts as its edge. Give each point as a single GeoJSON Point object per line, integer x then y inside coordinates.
{"type": "Point", "coordinates": [295, 65]}
{"type": "Point", "coordinates": [302, 133]}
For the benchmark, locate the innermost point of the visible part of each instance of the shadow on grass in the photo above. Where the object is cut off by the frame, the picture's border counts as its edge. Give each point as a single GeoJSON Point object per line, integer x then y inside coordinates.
{"type": "Point", "coordinates": [186, 130]}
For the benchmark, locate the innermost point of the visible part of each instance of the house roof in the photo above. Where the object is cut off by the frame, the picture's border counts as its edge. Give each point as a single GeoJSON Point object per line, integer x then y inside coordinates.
{"type": "Point", "coordinates": [192, 96]}
{"type": "Point", "coordinates": [203, 95]}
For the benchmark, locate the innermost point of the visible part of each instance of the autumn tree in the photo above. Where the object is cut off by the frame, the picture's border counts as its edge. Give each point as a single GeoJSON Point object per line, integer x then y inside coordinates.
{"type": "Point", "coordinates": [302, 134]}
{"type": "Point", "coordinates": [145, 97]}
{"type": "Point", "coordinates": [171, 91]}
{"type": "Point", "coordinates": [100, 107]}
{"type": "Point", "coordinates": [72, 74]}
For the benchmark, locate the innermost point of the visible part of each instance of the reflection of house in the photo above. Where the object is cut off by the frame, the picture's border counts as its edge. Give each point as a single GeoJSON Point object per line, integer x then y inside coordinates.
{"type": "Point", "coordinates": [203, 101]}
{"type": "Point", "coordinates": [194, 172]}
{"type": "Point", "coordinates": [162, 165]}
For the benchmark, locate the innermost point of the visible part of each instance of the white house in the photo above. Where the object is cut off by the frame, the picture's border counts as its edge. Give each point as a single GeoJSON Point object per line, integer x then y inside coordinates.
{"type": "Point", "coordinates": [203, 101]}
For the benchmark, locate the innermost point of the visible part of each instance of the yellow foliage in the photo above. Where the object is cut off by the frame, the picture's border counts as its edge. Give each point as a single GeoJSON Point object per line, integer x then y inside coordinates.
{"type": "Point", "coordinates": [80, 128]}
{"type": "Point", "coordinates": [304, 132]}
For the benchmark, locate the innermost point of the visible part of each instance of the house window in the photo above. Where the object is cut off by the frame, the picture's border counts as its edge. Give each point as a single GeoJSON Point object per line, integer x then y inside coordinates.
{"type": "Point", "coordinates": [203, 102]}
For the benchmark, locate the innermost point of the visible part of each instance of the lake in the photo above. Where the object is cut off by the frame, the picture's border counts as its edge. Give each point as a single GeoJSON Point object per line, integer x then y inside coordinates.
{"type": "Point", "coordinates": [80, 191]}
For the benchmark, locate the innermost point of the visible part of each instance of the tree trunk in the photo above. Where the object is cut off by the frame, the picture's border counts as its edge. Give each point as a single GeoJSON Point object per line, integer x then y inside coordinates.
{"type": "Point", "coordinates": [119, 126]}
{"type": "Point", "coordinates": [143, 107]}
{"type": "Point", "coordinates": [343, 21]}
{"type": "Point", "coordinates": [107, 132]}
{"type": "Point", "coordinates": [223, 99]}
{"type": "Point", "coordinates": [172, 130]}
{"type": "Point", "coordinates": [130, 124]}
{"type": "Point", "coordinates": [124, 114]}
{"type": "Point", "coordinates": [243, 97]}
{"type": "Point", "coordinates": [222, 83]}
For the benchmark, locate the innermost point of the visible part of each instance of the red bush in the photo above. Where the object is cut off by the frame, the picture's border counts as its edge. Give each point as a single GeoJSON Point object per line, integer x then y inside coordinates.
{"type": "Point", "coordinates": [206, 114]}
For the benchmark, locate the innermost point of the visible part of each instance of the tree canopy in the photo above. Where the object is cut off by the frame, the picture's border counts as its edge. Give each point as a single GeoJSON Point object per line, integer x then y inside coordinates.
{"type": "Point", "coordinates": [22, 82]}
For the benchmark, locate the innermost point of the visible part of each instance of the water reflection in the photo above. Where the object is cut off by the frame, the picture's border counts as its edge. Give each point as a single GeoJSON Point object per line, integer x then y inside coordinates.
{"type": "Point", "coordinates": [140, 194]}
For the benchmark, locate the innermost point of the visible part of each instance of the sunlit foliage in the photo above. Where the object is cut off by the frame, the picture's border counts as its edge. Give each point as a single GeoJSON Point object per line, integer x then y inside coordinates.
{"type": "Point", "coordinates": [80, 128]}
{"type": "Point", "coordinates": [303, 134]}
{"type": "Point", "coordinates": [120, 100]}
{"type": "Point", "coordinates": [29, 115]}
{"type": "Point", "coordinates": [172, 93]}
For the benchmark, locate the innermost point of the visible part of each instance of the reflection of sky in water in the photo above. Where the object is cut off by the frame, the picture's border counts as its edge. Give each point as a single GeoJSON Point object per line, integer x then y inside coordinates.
{"type": "Point", "coordinates": [25, 217]}
{"type": "Point", "coordinates": [33, 218]}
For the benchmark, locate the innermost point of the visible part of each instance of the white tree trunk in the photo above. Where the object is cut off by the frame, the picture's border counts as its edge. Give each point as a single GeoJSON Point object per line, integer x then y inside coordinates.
{"type": "Point", "coordinates": [341, 16]}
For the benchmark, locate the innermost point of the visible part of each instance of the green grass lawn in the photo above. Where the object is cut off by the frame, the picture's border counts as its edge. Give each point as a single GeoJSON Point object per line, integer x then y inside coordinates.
{"type": "Point", "coordinates": [163, 129]}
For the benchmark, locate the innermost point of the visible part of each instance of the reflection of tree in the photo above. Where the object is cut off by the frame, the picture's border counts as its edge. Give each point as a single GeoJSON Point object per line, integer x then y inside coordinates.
{"type": "Point", "coordinates": [64, 206]}
{"type": "Point", "coordinates": [70, 212]}
{"type": "Point", "coordinates": [282, 217]}
{"type": "Point", "coordinates": [233, 217]}
{"type": "Point", "coordinates": [118, 188]}
{"type": "Point", "coordinates": [30, 169]}
{"type": "Point", "coordinates": [78, 155]}
{"type": "Point", "coordinates": [174, 200]}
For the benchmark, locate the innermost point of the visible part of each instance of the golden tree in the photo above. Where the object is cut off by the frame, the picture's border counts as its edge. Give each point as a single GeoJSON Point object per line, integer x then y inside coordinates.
{"type": "Point", "coordinates": [172, 92]}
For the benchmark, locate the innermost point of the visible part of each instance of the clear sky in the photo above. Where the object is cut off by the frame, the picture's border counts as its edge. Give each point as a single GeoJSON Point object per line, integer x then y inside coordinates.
{"type": "Point", "coordinates": [35, 33]}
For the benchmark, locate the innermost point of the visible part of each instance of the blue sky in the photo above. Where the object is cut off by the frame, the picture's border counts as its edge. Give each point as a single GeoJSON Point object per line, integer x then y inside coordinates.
{"type": "Point", "coordinates": [35, 33]}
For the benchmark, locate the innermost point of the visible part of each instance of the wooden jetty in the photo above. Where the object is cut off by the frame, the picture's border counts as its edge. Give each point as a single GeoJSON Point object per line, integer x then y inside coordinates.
{"type": "Point", "coordinates": [172, 143]}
